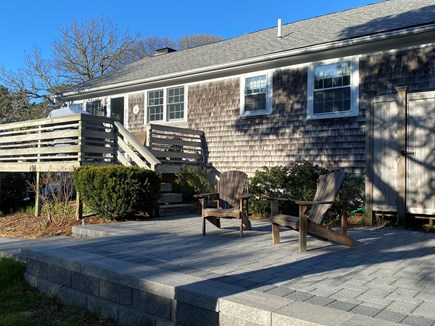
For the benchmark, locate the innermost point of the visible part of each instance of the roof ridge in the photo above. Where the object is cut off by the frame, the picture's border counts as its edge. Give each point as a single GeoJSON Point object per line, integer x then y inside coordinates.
{"type": "Point", "coordinates": [377, 2]}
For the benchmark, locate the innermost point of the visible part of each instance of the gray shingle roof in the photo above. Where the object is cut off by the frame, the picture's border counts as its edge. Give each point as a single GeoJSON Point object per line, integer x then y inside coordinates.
{"type": "Point", "coordinates": [367, 20]}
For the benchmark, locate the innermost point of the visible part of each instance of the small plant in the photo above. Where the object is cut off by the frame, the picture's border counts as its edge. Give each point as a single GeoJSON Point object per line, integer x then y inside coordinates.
{"type": "Point", "coordinates": [118, 191]}
{"type": "Point", "coordinates": [56, 191]}
{"type": "Point", "coordinates": [191, 181]}
{"type": "Point", "coordinates": [271, 182]}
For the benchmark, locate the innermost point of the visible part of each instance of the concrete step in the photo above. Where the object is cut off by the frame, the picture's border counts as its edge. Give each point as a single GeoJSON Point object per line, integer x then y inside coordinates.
{"type": "Point", "coordinates": [176, 209]}
{"type": "Point", "coordinates": [171, 198]}
{"type": "Point", "coordinates": [165, 187]}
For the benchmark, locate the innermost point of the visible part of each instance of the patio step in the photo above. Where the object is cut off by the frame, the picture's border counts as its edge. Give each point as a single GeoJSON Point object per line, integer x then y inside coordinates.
{"type": "Point", "coordinates": [165, 187]}
{"type": "Point", "coordinates": [171, 197]}
{"type": "Point", "coordinates": [176, 209]}
{"type": "Point", "coordinates": [171, 203]}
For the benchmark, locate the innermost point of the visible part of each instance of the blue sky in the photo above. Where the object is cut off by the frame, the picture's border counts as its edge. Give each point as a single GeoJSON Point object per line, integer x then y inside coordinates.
{"type": "Point", "coordinates": [24, 24]}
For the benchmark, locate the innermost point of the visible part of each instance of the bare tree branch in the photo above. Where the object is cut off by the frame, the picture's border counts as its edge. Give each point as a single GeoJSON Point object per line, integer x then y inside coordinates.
{"type": "Point", "coordinates": [82, 51]}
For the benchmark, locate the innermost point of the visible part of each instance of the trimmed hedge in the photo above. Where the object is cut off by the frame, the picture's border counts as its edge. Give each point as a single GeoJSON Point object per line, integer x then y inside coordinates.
{"type": "Point", "coordinates": [118, 191]}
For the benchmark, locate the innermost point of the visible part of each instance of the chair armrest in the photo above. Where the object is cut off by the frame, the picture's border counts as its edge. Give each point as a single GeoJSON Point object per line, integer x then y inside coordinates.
{"type": "Point", "coordinates": [199, 196]}
{"type": "Point", "coordinates": [310, 203]}
{"type": "Point", "coordinates": [278, 198]}
{"type": "Point", "coordinates": [246, 196]}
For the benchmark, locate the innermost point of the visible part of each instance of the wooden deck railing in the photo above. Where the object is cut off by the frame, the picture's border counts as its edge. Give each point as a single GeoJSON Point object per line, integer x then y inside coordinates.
{"type": "Point", "coordinates": [59, 144]}
{"type": "Point", "coordinates": [175, 147]}
{"type": "Point", "coordinates": [64, 143]}
{"type": "Point", "coordinates": [56, 144]}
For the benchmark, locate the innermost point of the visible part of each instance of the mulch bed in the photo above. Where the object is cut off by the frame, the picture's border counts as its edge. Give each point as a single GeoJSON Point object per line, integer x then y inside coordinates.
{"type": "Point", "coordinates": [26, 225]}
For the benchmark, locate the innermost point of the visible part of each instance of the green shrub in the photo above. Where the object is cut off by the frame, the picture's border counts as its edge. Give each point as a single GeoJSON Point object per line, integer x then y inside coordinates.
{"type": "Point", "coordinates": [268, 182]}
{"type": "Point", "coordinates": [297, 182]}
{"type": "Point", "coordinates": [190, 181]}
{"type": "Point", "coordinates": [303, 180]}
{"type": "Point", "coordinates": [118, 191]}
{"type": "Point", "coordinates": [354, 185]}
{"type": "Point", "coordinates": [300, 182]}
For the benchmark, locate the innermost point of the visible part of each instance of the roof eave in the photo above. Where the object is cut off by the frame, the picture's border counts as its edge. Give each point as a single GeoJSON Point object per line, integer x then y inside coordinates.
{"type": "Point", "coordinates": [335, 45]}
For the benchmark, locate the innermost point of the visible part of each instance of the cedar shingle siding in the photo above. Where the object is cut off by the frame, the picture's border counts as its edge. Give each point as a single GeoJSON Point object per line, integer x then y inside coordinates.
{"type": "Point", "coordinates": [413, 68]}
{"type": "Point", "coordinates": [285, 136]}
{"type": "Point", "coordinates": [282, 138]}
{"type": "Point", "coordinates": [136, 121]}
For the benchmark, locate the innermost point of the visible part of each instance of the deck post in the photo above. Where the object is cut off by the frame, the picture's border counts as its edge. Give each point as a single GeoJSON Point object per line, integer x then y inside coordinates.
{"type": "Point", "coordinates": [79, 207]}
{"type": "Point", "coordinates": [37, 195]}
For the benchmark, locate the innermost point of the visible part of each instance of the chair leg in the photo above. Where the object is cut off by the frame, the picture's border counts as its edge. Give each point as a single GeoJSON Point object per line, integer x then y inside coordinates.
{"type": "Point", "coordinates": [203, 226]}
{"type": "Point", "coordinates": [246, 221]}
{"type": "Point", "coordinates": [241, 228]}
{"type": "Point", "coordinates": [275, 234]}
{"type": "Point", "coordinates": [303, 233]}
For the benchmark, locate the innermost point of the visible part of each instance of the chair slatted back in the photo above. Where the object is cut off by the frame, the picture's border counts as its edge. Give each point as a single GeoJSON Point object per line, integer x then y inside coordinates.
{"type": "Point", "coordinates": [327, 188]}
{"type": "Point", "coordinates": [231, 185]}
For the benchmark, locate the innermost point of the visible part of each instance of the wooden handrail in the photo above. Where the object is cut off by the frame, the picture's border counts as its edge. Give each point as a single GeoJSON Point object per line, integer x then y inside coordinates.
{"type": "Point", "coordinates": [133, 147]}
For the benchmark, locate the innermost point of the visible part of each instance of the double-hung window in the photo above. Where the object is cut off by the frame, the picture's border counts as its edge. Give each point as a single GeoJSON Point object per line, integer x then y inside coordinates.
{"type": "Point", "coordinates": [175, 104]}
{"type": "Point", "coordinates": [333, 90]}
{"type": "Point", "coordinates": [155, 105]}
{"type": "Point", "coordinates": [256, 94]}
{"type": "Point", "coordinates": [166, 104]}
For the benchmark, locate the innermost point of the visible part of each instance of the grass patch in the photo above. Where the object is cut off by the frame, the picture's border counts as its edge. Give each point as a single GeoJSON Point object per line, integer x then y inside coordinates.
{"type": "Point", "coordinates": [20, 304]}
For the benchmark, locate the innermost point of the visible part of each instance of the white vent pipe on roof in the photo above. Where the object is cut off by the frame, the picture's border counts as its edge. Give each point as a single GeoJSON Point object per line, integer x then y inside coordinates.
{"type": "Point", "coordinates": [279, 28]}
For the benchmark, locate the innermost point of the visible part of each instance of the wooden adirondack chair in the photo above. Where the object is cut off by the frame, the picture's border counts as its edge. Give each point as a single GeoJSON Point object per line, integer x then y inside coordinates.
{"type": "Point", "coordinates": [231, 201]}
{"type": "Point", "coordinates": [327, 188]}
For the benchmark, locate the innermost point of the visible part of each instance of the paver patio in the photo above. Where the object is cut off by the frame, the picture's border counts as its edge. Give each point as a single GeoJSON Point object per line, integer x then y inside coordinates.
{"type": "Point", "coordinates": [388, 278]}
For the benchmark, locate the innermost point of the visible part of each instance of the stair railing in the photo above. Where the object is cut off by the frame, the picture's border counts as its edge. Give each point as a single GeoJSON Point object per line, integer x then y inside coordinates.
{"type": "Point", "coordinates": [135, 152]}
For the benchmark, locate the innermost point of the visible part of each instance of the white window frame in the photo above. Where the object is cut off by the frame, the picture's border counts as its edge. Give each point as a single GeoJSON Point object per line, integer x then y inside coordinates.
{"type": "Point", "coordinates": [147, 118]}
{"type": "Point", "coordinates": [165, 105]}
{"type": "Point", "coordinates": [269, 93]}
{"type": "Point", "coordinates": [354, 90]}
{"type": "Point", "coordinates": [101, 108]}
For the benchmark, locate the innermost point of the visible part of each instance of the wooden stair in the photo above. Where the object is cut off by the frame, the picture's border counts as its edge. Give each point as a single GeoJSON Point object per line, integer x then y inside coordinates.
{"type": "Point", "coordinates": [171, 203]}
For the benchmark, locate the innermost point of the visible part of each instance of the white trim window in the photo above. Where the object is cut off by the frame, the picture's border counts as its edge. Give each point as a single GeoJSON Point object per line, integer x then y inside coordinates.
{"type": "Point", "coordinates": [333, 90]}
{"type": "Point", "coordinates": [155, 105]}
{"type": "Point", "coordinates": [175, 103]}
{"type": "Point", "coordinates": [166, 104]}
{"type": "Point", "coordinates": [95, 107]}
{"type": "Point", "coordinates": [256, 94]}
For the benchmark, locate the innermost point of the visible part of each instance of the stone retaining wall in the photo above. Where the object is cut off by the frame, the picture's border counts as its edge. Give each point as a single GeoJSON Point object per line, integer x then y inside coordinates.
{"type": "Point", "coordinates": [133, 294]}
